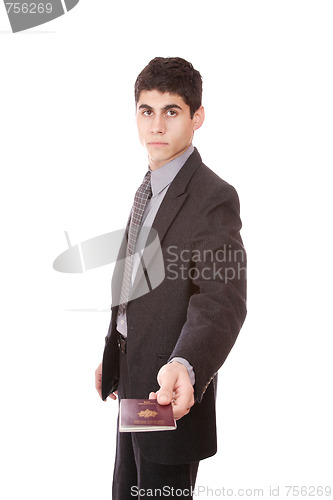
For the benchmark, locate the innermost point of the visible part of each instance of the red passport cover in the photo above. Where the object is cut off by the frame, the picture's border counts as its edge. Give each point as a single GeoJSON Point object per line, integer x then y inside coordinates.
{"type": "Point", "coordinates": [142, 415]}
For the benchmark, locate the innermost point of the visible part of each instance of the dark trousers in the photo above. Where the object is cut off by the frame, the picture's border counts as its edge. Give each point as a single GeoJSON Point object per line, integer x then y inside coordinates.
{"type": "Point", "coordinates": [134, 476]}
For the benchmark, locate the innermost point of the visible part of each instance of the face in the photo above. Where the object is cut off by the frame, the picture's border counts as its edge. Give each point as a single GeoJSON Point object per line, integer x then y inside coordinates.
{"type": "Point", "coordinates": [165, 125]}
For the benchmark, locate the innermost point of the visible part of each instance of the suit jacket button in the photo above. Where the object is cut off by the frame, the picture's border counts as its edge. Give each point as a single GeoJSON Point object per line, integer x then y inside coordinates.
{"type": "Point", "coordinates": [106, 339]}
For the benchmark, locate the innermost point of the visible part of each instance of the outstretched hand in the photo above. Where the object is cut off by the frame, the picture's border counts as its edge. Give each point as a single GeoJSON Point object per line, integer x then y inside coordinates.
{"type": "Point", "coordinates": [175, 388]}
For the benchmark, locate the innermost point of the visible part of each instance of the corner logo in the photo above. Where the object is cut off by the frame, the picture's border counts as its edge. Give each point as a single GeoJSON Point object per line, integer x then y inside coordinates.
{"type": "Point", "coordinates": [148, 269]}
{"type": "Point", "coordinates": [24, 15]}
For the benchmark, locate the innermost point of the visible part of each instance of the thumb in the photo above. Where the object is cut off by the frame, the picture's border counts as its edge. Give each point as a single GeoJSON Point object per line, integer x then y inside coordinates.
{"type": "Point", "coordinates": [165, 393]}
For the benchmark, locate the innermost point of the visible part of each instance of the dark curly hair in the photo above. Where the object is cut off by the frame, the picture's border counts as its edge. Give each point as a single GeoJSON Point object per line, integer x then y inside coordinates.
{"type": "Point", "coordinates": [173, 75]}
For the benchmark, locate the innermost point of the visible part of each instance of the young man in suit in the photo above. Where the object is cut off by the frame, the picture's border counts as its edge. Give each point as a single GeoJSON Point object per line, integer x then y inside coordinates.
{"type": "Point", "coordinates": [170, 343]}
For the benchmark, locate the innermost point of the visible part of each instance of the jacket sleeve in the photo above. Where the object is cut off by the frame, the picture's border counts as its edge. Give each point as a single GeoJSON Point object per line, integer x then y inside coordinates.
{"type": "Point", "coordinates": [216, 311]}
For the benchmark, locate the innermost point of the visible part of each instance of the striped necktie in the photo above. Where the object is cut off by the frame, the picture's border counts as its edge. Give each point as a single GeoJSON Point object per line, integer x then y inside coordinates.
{"type": "Point", "coordinates": [140, 201]}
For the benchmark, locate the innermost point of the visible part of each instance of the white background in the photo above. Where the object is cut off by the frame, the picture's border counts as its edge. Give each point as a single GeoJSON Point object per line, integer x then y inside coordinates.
{"type": "Point", "coordinates": [70, 160]}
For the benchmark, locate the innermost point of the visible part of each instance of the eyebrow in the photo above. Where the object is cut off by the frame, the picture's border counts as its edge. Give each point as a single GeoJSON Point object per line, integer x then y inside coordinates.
{"type": "Point", "coordinates": [165, 108]}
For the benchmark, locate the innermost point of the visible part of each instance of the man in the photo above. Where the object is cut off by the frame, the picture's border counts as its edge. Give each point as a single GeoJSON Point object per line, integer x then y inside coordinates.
{"type": "Point", "coordinates": [169, 343]}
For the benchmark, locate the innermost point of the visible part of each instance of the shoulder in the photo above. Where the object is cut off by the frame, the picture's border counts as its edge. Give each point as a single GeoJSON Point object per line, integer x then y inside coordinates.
{"type": "Point", "coordinates": [205, 183]}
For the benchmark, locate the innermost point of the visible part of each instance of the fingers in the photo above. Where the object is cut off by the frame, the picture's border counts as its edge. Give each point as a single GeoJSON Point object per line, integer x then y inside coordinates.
{"type": "Point", "coordinates": [98, 379]}
{"type": "Point", "coordinates": [176, 387]}
{"type": "Point", "coordinates": [98, 383]}
{"type": "Point", "coordinates": [167, 377]}
{"type": "Point", "coordinates": [183, 404]}
{"type": "Point", "coordinates": [165, 393]}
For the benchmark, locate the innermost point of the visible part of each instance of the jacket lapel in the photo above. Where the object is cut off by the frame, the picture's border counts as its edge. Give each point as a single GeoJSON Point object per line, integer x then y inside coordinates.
{"type": "Point", "coordinates": [175, 195]}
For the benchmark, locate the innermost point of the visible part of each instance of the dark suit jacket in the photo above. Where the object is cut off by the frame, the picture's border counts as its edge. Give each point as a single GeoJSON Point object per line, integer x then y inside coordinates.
{"type": "Point", "coordinates": [195, 313]}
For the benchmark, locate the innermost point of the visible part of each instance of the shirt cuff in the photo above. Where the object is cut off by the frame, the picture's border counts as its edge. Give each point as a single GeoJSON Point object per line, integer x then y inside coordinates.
{"type": "Point", "coordinates": [188, 366]}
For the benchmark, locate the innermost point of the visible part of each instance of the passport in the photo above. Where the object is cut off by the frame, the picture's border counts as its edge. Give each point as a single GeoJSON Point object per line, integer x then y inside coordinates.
{"type": "Point", "coordinates": [144, 415]}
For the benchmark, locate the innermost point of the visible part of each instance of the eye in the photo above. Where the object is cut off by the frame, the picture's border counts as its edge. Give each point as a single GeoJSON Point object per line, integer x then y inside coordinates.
{"type": "Point", "coordinates": [147, 112]}
{"type": "Point", "coordinates": [172, 112]}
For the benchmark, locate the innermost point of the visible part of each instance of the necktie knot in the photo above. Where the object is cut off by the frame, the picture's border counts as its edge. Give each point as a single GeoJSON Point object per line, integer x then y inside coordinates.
{"type": "Point", "coordinates": [144, 191]}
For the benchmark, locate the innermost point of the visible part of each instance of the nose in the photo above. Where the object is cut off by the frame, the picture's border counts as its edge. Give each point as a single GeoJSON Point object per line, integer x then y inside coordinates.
{"type": "Point", "coordinates": [158, 124]}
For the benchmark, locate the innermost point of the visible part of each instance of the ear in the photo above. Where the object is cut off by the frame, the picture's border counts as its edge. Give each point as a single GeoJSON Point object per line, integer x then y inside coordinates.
{"type": "Point", "coordinates": [198, 118]}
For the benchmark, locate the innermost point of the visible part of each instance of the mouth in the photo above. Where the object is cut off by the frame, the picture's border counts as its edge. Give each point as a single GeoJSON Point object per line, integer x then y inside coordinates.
{"type": "Point", "coordinates": [157, 144]}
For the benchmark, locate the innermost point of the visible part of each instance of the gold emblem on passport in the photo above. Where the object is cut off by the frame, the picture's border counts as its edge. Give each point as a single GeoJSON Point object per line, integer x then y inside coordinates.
{"type": "Point", "coordinates": [147, 413]}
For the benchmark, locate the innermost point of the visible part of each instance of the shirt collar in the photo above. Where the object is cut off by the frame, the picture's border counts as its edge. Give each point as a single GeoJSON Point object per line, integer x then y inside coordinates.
{"type": "Point", "coordinates": [163, 176]}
